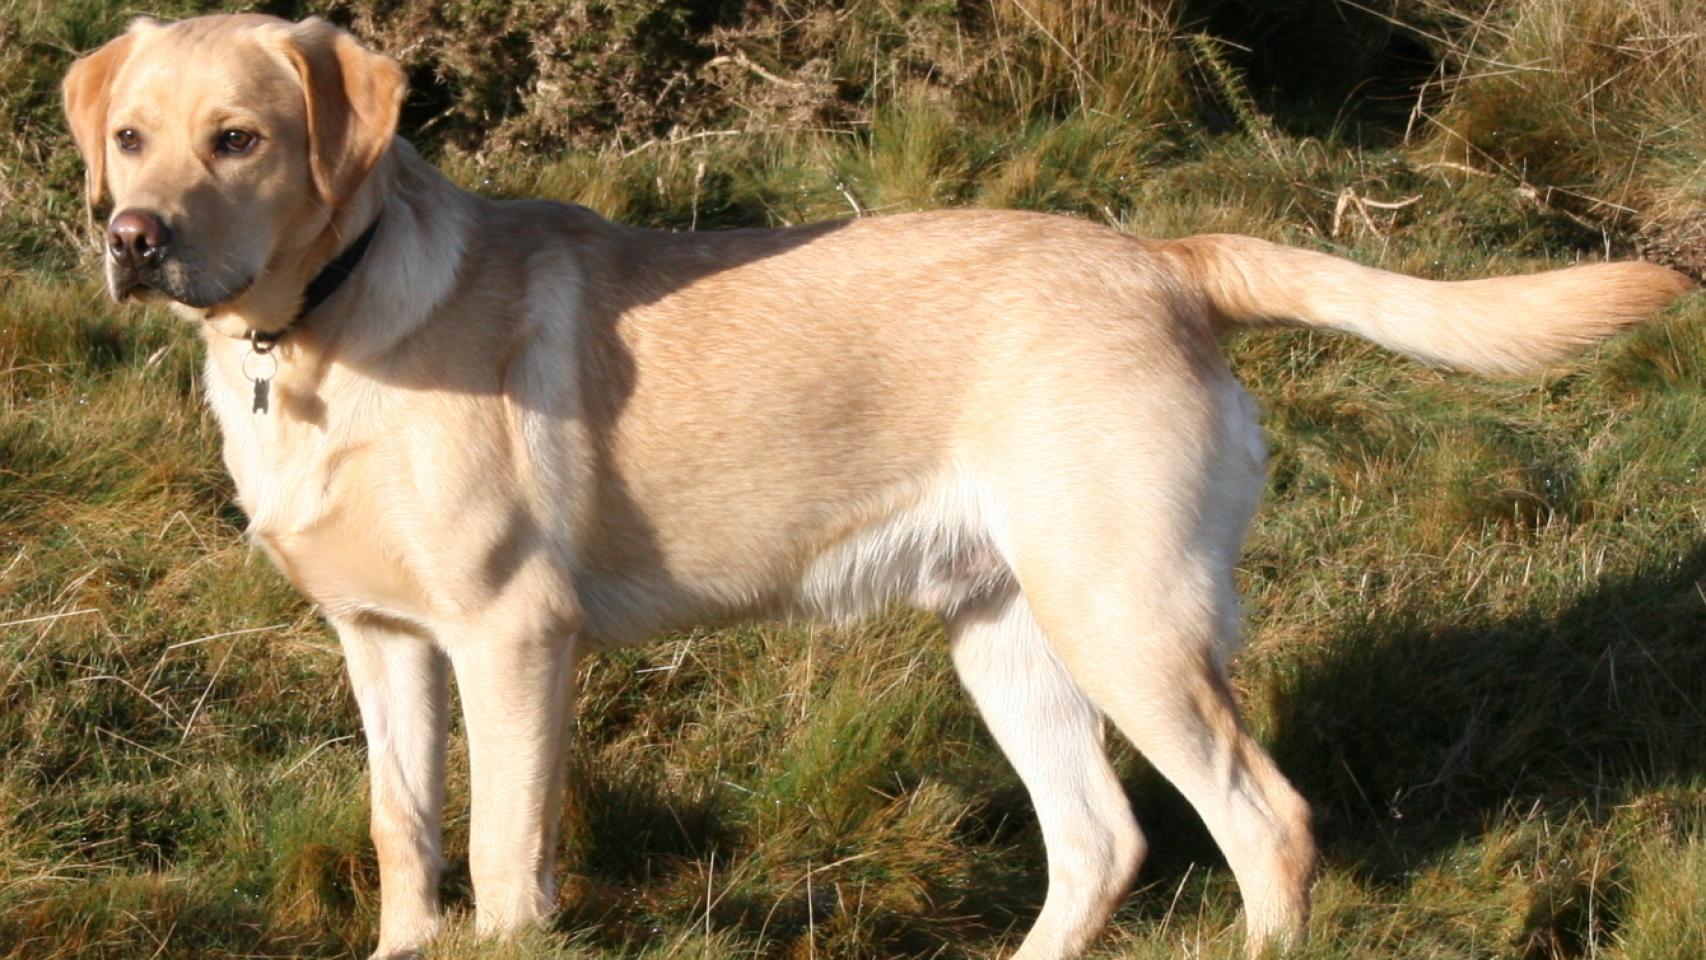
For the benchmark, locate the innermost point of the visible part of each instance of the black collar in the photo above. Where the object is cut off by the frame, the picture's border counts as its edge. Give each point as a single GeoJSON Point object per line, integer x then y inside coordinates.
{"type": "Point", "coordinates": [324, 284]}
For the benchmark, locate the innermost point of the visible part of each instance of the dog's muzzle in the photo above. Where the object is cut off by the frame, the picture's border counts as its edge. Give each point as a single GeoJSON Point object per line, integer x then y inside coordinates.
{"type": "Point", "coordinates": [145, 262]}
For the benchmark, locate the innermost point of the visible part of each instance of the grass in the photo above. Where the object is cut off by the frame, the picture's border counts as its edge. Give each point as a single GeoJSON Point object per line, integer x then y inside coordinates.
{"type": "Point", "coordinates": [1475, 606]}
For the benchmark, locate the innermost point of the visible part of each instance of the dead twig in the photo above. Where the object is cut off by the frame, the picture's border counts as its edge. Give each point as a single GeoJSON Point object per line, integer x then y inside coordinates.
{"type": "Point", "coordinates": [50, 616]}
{"type": "Point", "coordinates": [740, 59]}
{"type": "Point", "coordinates": [1350, 200]}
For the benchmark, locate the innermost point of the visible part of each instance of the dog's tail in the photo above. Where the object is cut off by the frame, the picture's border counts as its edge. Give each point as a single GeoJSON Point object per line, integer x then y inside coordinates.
{"type": "Point", "coordinates": [1499, 325]}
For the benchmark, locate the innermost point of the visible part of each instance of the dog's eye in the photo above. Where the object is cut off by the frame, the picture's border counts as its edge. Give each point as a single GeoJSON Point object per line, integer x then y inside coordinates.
{"type": "Point", "coordinates": [235, 142]}
{"type": "Point", "coordinates": [128, 140]}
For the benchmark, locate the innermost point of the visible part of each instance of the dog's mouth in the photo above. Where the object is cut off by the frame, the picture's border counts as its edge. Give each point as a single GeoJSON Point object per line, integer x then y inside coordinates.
{"type": "Point", "coordinates": [163, 285]}
{"type": "Point", "coordinates": [141, 292]}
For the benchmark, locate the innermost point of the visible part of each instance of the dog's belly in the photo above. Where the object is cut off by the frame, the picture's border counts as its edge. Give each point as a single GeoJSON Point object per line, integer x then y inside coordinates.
{"type": "Point", "coordinates": [939, 553]}
{"type": "Point", "coordinates": [936, 551]}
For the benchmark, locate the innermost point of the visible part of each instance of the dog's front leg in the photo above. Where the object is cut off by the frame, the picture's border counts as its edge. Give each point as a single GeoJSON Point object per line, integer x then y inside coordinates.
{"type": "Point", "coordinates": [515, 678]}
{"type": "Point", "coordinates": [399, 681]}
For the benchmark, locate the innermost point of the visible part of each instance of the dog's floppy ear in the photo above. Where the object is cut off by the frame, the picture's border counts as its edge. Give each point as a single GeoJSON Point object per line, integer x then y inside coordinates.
{"type": "Point", "coordinates": [353, 97]}
{"type": "Point", "coordinates": [87, 89]}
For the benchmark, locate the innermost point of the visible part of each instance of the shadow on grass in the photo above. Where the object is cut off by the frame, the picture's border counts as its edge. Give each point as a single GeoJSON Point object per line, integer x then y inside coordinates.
{"type": "Point", "coordinates": [1411, 733]}
{"type": "Point", "coordinates": [644, 849]}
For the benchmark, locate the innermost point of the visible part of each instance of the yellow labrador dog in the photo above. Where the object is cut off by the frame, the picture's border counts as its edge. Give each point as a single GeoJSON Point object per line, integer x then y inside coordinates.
{"type": "Point", "coordinates": [489, 437]}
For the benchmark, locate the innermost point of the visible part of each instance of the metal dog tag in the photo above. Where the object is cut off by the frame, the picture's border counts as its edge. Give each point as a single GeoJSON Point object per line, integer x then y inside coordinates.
{"type": "Point", "coordinates": [260, 355]}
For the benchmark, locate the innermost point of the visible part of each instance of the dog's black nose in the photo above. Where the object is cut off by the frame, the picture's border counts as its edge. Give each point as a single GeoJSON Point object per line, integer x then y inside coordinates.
{"type": "Point", "coordinates": [137, 238]}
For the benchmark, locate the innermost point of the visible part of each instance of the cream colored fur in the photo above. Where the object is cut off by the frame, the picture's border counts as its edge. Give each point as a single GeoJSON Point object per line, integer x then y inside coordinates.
{"type": "Point", "coordinates": [520, 432]}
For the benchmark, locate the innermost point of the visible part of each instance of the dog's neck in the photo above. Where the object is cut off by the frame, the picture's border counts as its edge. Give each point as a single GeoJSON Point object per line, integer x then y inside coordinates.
{"type": "Point", "coordinates": [406, 272]}
{"type": "Point", "coordinates": [323, 286]}
{"type": "Point", "coordinates": [409, 270]}
{"type": "Point", "coordinates": [414, 232]}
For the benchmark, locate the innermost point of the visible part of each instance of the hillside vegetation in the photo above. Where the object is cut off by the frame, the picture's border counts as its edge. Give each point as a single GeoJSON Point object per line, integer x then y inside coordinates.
{"type": "Point", "coordinates": [1477, 637]}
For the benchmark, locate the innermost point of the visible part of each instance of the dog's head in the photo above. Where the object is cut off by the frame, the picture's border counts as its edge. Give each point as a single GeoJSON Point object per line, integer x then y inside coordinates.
{"type": "Point", "coordinates": [228, 143]}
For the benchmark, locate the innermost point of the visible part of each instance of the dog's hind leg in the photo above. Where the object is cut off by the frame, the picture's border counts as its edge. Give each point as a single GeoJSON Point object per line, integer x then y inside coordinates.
{"type": "Point", "coordinates": [1118, 492]}
{"type": "Point", "coordinates": [1154, 669]}
{"type": "Point", "coordinates": [1053, 737]}
{"type": "Point", "coordinates": [1167, 693]}
{"type": "Point", "coordinates": [1124, 541]}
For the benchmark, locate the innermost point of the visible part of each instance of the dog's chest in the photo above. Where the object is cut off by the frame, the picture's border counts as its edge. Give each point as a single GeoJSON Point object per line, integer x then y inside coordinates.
{"type": "Point", "coordinates": [345, 572]}
{"type": "Point", "coordinates": [326, 524]}
{"type": "Point", "coordinates": [316, 498]}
